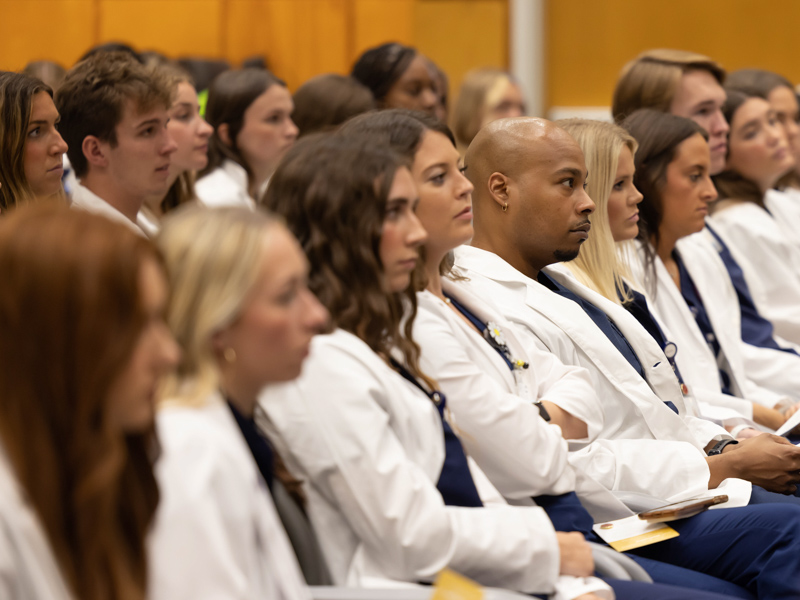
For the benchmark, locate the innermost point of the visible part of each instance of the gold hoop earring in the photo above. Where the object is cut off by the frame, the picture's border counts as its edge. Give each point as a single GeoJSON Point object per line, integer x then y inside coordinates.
{"type": "Point", "coordinates": [505, 206]}
{"type": "Point", "coordinates": [230, 355]}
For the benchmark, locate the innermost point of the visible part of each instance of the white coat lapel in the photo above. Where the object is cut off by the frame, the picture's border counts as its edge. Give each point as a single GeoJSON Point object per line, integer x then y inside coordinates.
{"type": "Point", "coordinates": [663, 385]}
{"type": "Point", "coordinates": [710, 284]}
{"type": "Point", "coordinates": [487, 315]}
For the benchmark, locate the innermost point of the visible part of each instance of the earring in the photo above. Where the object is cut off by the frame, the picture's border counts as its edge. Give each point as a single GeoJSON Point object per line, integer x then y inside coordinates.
{"type": "Point", "coordinates": [230, 355]}
{"type": "Point", "coordinates": [505, 206]}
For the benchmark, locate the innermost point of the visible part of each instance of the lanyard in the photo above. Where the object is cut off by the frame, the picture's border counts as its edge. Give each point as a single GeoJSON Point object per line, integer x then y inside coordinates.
{"type": "Point", "coordinates": [501, 349]}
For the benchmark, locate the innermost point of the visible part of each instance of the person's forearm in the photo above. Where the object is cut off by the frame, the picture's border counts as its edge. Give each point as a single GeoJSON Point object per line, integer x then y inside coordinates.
{"type": "Point", "coordinates": [572, 428]}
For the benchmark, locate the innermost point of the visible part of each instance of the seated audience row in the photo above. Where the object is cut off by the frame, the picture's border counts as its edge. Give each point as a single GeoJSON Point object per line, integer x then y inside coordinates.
{"type": "Point", "coordinates": [360, 358]}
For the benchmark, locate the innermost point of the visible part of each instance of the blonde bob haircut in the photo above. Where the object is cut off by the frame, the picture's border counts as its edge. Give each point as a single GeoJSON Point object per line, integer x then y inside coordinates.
{"type": "Point", "coordinates": [651, 79]}
{"type": "Point", "coordinates": [598, 265]}
{"type": "Point", "coordinates": [480, 89]}
{"type": "Point", "coordinates": [213, 257]}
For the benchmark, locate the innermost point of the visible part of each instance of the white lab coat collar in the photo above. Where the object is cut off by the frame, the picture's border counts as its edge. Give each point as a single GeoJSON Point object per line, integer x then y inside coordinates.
{"type": "Point", "coordinates": [85, 199]}
{"type": "Point", "coordinates": [216, 531]}
{"type": "Point", "coordinates": [227, 185]}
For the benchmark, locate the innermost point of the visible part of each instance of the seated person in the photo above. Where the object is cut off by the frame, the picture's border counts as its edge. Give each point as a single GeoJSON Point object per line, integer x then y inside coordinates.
{"type": "Point", "coordinates": [84, 345]}
{"type": "Point", "coordinates": [326, 101]}
{"type": "Point", "coordinates": [243, 316]}
{"type": "Point", "coordinates": [28, 129]}
{"type": "Point", "coordinates": [251, 113]}
{"type": "Point", "coordinates": [114, 115]}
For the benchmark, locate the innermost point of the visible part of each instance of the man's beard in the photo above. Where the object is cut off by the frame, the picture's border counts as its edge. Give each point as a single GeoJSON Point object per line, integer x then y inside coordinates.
{"type": "Point", "coordinates": [566, 255]}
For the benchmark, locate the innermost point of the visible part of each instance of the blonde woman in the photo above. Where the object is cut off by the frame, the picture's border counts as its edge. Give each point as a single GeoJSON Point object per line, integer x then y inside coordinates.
{"type": "Point", "coordinates": [486, 95]}
{"type": "Point", "coordinates": [602, 265]}
{"type": "Point", "coordinates": [244, 317]}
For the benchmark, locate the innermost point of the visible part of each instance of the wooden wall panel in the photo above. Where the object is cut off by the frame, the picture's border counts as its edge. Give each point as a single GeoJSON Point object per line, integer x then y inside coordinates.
{"type": "Point", "coordinates": [59, 30]}
{"type": "Point", "coordinates": [300, 38]}
{"type": "Point", "coordinates": [589, 41]}
{"type": "Point", "coordinates": [172, 27]}
{"type": "Point", "coordinates": [460, 35]}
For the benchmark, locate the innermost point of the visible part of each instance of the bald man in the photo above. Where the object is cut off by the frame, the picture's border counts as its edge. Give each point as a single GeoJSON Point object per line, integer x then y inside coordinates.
{"type": "Point", "coordinates": [637, 434]}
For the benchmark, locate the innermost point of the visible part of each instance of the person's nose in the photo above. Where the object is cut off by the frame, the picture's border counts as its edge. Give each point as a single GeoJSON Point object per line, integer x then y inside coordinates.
{"type": "Point", "coordinates": [416, 234]}
{"type": "Point", "coordinates": [205, 130]}
{"type": "Point", "coordinates": [719, 126]}
{"type": "Point", "coordinates": [169, 352]}
{"type": "Point", "coordinates": [170, 145]}
{"type": "Point", "coordinates": [709, 192]}
{"type": "Point", "coordinates": [59, 145]}
{"type": "Point", "coordinates": [315, 316]}
{"type": "Point", "coordinates": [465, 185]}
{"type": "Point", "coordinates": [636, 196]}
{"type": "Point", "coordinates": [291, 129]}
{"type": "Point", "coordinates": [585, 204]}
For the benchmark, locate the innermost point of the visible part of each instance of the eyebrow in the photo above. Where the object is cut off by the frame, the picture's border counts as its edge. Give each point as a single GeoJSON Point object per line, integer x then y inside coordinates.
{"type": "Point", "coordinates": [440, 165]}
{"type": "Point", "coordinates": [149, 122]}
{"type": "Point", "coordinates": [572, 171]}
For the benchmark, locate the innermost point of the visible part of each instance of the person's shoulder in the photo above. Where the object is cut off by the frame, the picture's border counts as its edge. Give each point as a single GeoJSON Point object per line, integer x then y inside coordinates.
{"type": "Point", "coordinates": [207, 431]}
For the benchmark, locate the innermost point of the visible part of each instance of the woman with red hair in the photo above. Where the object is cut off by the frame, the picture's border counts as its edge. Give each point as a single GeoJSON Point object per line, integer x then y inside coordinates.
{"type": "Point", "coordinates": [83, 349]}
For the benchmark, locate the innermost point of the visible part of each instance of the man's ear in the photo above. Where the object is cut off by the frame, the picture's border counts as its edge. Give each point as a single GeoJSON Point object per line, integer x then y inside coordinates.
{"type": "Point", "coordinates": [224, 133]}
{"type": "Point", "coordinates": [498, 188]}
{"type": "Point", "coordinates": [95, 151]}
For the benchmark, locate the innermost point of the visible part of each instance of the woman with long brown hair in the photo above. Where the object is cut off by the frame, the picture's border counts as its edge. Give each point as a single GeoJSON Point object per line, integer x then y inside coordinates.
{"type": "Point", "coordinates": [84, 346]}
{"type": "Point", "coordinates": [251, 113]}
{"type": "Point", "coordinates": [31, 149]}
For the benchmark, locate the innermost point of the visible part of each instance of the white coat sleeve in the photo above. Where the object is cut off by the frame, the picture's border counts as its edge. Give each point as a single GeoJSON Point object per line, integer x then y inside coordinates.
{"type": "Point", "coordinates": [336, 428]}
{"type": "Point", "coordinates": [521, 454]}
{"type": "Point", "coordinates": [658, 468]}
{"type": "Point", "coordinates": [196, 550]}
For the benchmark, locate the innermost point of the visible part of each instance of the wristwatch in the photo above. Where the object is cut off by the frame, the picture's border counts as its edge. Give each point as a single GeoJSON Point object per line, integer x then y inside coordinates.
{"type": "Point", "coordinates": [720, 446]}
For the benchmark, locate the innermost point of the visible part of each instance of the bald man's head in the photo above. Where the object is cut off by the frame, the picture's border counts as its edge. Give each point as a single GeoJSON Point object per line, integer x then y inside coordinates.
{"type": "Point", "coordinates": [529, 203]}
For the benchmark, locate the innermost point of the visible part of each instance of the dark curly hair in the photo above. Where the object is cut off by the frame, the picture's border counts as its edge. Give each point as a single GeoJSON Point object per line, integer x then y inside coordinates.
{"type": "Point", "coordinates": [332, 192]}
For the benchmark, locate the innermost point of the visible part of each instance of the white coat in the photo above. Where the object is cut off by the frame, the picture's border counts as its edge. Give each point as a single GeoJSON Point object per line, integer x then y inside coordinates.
{"type": "Point", "coordinates": [772, 369]}
{"type": "Point", "coordinates": [369, 447]}
{"type": "Point", "coordinates": [225, 186]}
{"type": "Point", "coordinates": [492, 407]}
{"type": "Point", "coordinates": [769, 260]}
{"type": "Point", "coordinates": [84, 199]}
{"type": "Point", "coordinates": [635, 442]}
{"type": "Point", "coordinates": [695, 359]}
{"type": "Point", "coordinates": [216, 532]}
{"type": "Point", "coordinates": [784, 206]}
{"type": "Point", "coordinates": [28, 567]}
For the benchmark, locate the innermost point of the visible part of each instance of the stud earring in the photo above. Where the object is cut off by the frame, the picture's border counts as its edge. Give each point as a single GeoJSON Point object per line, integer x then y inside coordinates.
{"type": "Point", "coordinates": [230, 355]}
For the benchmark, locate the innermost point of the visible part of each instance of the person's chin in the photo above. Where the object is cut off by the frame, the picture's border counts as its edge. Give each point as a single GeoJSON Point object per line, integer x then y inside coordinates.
{"type": "Point", "coordinates": [566, 255]}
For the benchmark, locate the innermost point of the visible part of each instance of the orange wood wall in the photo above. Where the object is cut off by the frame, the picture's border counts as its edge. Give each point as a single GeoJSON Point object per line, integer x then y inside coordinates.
{"type": "Point", "coordinates": [301, 38]}
{"type": "Point", "coordinates": [590, 40]}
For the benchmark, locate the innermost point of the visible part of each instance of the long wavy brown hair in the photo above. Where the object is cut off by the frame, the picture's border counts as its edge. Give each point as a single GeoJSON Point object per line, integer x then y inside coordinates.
{"type": "Point", "coordinates": [332, 192]}
{"type": "Point", "coordinates": [71, 315]}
